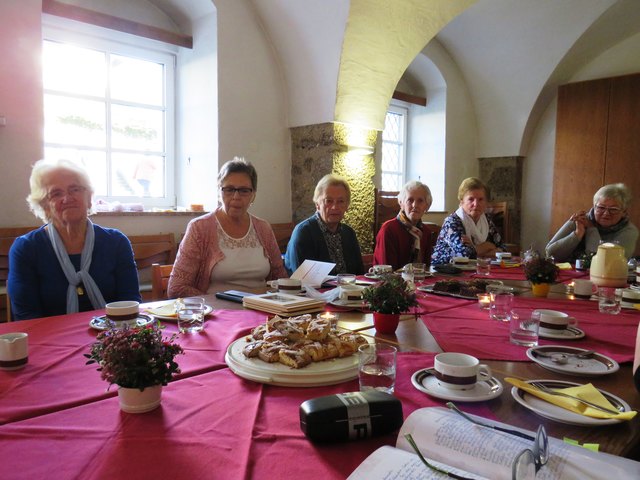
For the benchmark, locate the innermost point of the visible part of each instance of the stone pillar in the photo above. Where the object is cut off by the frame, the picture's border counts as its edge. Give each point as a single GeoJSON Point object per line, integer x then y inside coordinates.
{"type": "Point", "coordinates": [345, 150]}
{"type": "Point", "coordinates": [503, 176]}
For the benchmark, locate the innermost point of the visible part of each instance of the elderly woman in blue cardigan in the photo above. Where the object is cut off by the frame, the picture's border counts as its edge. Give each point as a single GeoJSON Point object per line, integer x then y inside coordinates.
{"type": "Point", "coordinates": [323, 236]}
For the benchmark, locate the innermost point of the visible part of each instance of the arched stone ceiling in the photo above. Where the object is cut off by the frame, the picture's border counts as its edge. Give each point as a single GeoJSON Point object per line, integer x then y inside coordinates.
{"type": "Point", "coordinates": [381, 40]}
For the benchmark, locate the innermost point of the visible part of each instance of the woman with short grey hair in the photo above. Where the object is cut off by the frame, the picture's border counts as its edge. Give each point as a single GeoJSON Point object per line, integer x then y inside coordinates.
{"type": "Point", "coordinates": [606, 221]}
{"type": "Point", "coordinates": [405, 239]}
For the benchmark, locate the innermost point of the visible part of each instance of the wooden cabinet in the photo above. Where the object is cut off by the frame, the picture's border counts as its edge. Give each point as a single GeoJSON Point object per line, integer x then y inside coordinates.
{"type": "Point", "coordinates": [597, 142]}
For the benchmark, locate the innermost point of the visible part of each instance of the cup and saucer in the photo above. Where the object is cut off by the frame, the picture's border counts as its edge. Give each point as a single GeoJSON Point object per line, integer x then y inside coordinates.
{"type": "Point", "coordinates": [558, 326]}
{"type": "Point", "coordinates": [457, 377]}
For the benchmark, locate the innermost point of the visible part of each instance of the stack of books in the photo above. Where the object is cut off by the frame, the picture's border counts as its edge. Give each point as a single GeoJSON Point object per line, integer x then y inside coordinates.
{"type": "Point", "coordinates": [283, 304]}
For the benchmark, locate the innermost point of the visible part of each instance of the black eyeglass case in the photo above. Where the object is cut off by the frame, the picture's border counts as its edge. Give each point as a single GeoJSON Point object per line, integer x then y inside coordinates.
{"type": "Point", "coordinates": [350, 416]}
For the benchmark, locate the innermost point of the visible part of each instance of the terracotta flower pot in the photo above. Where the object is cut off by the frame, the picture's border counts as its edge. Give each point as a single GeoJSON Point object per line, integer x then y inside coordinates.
{"type": "Point", "coordinates": [540, 289]}
{"type": "Point", "coordinates": [132, 400]}
{"type": "Point", "coordinates": [386, 322]}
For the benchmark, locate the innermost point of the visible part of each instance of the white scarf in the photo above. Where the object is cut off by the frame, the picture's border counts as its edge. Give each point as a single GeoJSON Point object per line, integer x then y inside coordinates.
{"type": "Point", "coordinates": [82, 276]}
{"type": "Point", "coordinates": [477, 231]}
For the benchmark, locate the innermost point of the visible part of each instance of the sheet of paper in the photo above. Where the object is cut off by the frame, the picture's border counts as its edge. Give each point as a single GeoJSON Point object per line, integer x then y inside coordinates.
{"type": "Point", "coordinates": [312, 272]}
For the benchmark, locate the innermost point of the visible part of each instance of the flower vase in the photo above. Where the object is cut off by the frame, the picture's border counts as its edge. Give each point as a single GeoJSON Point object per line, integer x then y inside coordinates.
{"type": "Point", "coordinates": [132, 400]}
{"type": "Point", "coordinates": [540, 289]}
{"type": "Point", "coordinates": [386, 322]}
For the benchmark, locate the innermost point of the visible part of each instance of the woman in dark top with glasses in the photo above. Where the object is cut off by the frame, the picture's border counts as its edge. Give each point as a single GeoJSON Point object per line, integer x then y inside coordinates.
{"type": "Point", "coordinates": [606, 221]}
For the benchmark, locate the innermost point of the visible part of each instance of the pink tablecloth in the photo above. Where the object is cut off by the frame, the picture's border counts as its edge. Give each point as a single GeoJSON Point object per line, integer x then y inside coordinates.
{"type": "Point", "coordinates": [214, 425]}
{"type": "Point", "coordinates": [468, 329]}
{"type": "Point", "coordinates": [57, 376]}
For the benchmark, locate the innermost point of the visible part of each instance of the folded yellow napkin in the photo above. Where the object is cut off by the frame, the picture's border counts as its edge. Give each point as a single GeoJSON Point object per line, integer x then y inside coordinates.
{"type": "Point", "coordinates": [166, 310]}
{"type": "Point", "coordinates": [636, 306]}
{"type": "Point", "coordinates": [587, 392]}
{"type": "Point", "coordinates": [564, 266]}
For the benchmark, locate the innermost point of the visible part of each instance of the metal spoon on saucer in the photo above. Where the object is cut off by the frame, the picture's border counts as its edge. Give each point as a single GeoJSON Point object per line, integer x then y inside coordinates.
{"type": "Point", "coordinates": [563, 358]}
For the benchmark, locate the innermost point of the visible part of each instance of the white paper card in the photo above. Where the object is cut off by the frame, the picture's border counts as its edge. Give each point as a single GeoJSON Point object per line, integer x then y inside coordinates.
{"type": "Point", "coordinates": [312, 272]}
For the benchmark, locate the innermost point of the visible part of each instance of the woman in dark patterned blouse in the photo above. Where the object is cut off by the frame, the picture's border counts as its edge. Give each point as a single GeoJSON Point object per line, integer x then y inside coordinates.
{"type": "Point", "coordinates": [468, 232]}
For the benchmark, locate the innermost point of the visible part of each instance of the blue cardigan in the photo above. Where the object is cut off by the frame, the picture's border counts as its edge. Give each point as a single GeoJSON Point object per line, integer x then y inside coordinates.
{"type": "Point", "coordinates": [37, 285]}
{"type": "Point", "coordinates": [307, 242]}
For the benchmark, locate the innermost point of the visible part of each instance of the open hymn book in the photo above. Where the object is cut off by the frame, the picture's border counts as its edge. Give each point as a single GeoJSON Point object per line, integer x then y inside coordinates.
{"type": "Point", "coordinates": [456, 445]}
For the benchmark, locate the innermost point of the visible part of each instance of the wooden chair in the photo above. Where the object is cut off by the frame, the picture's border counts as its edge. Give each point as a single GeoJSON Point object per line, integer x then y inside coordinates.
{"type": "Point", "coordinates": [7, 237]}
{"type": "Point", "coordinates": [150, 249]}
{"type": "Point", "coordinates": [160, 281]}
{"type": "Point", "coordinates": [283, 232]}
{"type": "Point", "coordinates": [385, 208]}
{"type": "Point", "coordinates": [499, 214]}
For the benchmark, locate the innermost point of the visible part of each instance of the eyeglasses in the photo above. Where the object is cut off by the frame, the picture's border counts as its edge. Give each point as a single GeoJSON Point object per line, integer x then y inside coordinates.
{"type": "Point", "coordinates": [430, 465]}
{"type": "Point", "coordinates": [330, 202]}
{"type": "Point", "coordinates": [609, 210]}
{"type": "Point", "coordinates": [58, 194]}
{"type": "Point", "coordinates": [527, 463]}
{"type": "Point", "coordinates": [231, 191]}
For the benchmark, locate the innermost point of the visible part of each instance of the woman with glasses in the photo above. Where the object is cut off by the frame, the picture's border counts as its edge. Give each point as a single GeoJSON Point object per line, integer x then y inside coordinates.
{"type": "Point", "coordinates": [323, 236]}
{"type": "Point", "coordinates": [228, 248]}
{"type": "Point", "coordinates": [405, 239]}
{"type": "Point", "coordinates": [468, 232]}
{"type": "Point", "coordinates": [606, 221]}
{"type": "Point", "coordinates": [70, 264]}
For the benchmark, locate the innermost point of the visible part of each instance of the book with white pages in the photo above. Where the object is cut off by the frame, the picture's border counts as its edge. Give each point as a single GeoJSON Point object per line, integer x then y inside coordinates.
{"type": "Point", "coordinates": [282, 304]}
{"type": "Point", "coordinates": [457, 445]}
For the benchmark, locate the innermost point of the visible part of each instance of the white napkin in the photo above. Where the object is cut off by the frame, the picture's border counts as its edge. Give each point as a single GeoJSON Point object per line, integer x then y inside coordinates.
{"type": "Point", "coordinates": [328, 296]}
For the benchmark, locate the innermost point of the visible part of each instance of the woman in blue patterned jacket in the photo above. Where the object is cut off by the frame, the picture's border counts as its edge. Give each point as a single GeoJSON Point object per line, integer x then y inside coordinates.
{"type": "Point", "coordinates": [468, 232]}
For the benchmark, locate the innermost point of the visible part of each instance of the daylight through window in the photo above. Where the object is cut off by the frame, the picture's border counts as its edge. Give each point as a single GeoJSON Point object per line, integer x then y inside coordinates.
{"type": "Point", "coordinates": [393, 149]}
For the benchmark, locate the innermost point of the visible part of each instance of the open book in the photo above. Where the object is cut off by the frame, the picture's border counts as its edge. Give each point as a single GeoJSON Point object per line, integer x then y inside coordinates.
{"type": "Point", "coordinates": [455, 444]}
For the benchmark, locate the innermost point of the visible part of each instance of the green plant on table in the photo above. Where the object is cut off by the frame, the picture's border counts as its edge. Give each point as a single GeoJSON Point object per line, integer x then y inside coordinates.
{"type": "Point", "coordinates": [390, 295]}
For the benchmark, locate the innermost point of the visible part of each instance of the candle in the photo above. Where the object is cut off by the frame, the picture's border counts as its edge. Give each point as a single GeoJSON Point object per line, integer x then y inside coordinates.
{"type": "Point", "coordinates": [330, 316]}
{"type": "Point", "coordinates": [484, 300]}
{"type": "Point", "coordinates": [570, 287]}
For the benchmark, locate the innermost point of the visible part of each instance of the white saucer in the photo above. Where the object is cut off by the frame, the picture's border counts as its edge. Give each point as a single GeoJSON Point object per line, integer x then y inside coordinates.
{"type": "Point", "coordinates": [562, 415]}
{"type": "Point", "coordinates": [372, 276]}
{"type": "Point", "coordinates": [597, 364]}
{"type": "Point", "coordinates": [425, 381]}
{"type": "Point", "coordinates": [570, 333]}
{"type": "Point", "coordinates": [100, 323]}
{"type": "Point", "coordinates": [359, 304]}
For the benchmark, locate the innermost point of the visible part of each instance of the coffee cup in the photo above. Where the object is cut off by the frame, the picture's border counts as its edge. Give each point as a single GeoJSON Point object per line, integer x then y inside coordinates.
{"type": "Point", "coordinates": [630, 295]}
{"type": "Point", "coordinates": [381, 269]}
{"type": "Point", "coordinates": [351, 293]}
{"type": "Point", "coordinates": [287, 285]}
{"type": "Point", "coordinates": [123, 313]}
{"type": "Point", "coordinates": [459, 371]}
{"type": "Point", "coordinates": [583, 288]}
{"type": "Point", "coordinates": [552, 321]}
{"type": "Point", "coordinates": [14, 350]}
{"type": "Point", "coordinates": [460, 260]}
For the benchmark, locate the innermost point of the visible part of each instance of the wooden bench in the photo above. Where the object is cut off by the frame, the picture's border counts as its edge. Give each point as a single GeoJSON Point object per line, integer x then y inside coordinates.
{"type": "Point", "coordinates": [7, 237]}
{"type": "Point", "coordinates": [150, 249]}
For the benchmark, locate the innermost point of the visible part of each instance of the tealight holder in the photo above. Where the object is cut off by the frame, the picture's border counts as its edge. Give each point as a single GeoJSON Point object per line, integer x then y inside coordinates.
{"type": "Point", "coordinates": [484, 300]}
{"type": "Point", "coordinates": [570, 287]}
{"type": "Point", "coordinates": [330, 316]}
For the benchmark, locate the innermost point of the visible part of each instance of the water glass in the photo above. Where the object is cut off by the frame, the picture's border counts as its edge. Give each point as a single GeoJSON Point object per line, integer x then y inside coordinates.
{"type": "Point", "coordinates": [524, 324]}
{"type": "Point", "coordinates": [483, 266]}
{"type": "Point", "coordinates": [191, 315]}
{"type": "Point", "coordinates": [500, 306]}
{"type": "Point", "coordinates": [377, 367]}
{"type": "Point", "coordinates": [609, 300]}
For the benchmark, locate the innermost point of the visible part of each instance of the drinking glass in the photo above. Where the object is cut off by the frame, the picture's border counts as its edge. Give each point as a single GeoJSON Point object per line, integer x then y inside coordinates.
{"type": "Point", "coordinates": [191, 315]}
{"type": "Point", "coordinates": [377, 367]}
{"type": "Point", "coordinates": [609, 300]}
{"type": "Point", "coordinates": [500, 306]}
{"type": "Point", "coordinates": [523, 326]}
{"type": "Point", "coordinates": [483, 266]}
{"type": "Point", "coordinates": [346, 279]}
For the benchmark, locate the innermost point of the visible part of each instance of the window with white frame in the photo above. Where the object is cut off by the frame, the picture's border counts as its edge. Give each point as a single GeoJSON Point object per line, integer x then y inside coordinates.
{"type": "Point", "coordinates": [109, 106]}
{"type": "Point", "coordinates": [394, 136]}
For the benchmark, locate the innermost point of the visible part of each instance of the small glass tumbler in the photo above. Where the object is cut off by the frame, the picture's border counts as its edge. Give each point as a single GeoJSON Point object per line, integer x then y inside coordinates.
{"type": "Point", "coordinates": [500, 306]}
{"type": "Point", "coordinates": [483, 266]}
{"type": "Point", "coordinates": [191, 315]}
{"type": "Point", "coordinates": [377, 367]}
{"type": "Point", "coordinates": [609, 300]}
{"type": "Point", "coordinates": [523, 326]}
{"type": "Point", "coordinates": [346, 279]}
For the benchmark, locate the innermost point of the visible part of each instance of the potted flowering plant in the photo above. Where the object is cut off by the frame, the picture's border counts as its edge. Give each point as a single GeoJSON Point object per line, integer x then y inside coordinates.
{"type": "Point", "coordinates": [139, 360]}
{"type": "Point", "coordinates": [388, 298]}
{"type": "Point", "coordinates": [541, 272]}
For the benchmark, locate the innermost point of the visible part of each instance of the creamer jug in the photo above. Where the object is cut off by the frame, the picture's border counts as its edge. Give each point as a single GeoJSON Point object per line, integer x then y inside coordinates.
{"type": "Point", "coordinates": [609, 266]}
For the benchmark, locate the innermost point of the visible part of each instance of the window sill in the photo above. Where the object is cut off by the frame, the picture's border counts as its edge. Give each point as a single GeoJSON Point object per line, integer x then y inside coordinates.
{"type": "Point", "coordinates": [167, 213]}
